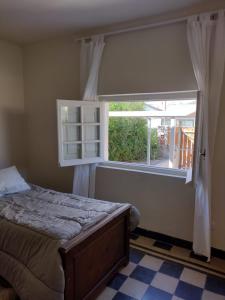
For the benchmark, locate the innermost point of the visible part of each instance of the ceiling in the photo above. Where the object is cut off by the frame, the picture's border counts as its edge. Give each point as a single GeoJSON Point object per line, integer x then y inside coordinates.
{"type": "Point", "coordinates": [31, 20]}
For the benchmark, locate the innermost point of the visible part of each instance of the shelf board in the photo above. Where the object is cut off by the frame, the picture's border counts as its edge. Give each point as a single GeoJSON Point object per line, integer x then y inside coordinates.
{"type": "Point", "coordinates": [72, 142]}
{"type": "Point", "coordinates": [91, 141]}
{"type": "Point", "coordinates": [91, 124]}
{"type": "Point", "coordinates": [79, 124]}
{"type": "Point", "coordinates": [71, 124]}
{"type": "Point", "coordinates": [81, 142]}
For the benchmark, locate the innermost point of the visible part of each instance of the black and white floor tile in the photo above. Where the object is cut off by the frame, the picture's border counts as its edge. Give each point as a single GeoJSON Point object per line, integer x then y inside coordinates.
{"type": "Point", "coordinates": [148, 277]}
{"type": "Point", "coordinates": [216, 264]}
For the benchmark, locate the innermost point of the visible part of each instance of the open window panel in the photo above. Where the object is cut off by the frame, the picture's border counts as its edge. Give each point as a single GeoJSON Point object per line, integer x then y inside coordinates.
{"type": "Point", "coordinates": [154, 131]}
{"type": "Point", "coordinates": [80, 132]}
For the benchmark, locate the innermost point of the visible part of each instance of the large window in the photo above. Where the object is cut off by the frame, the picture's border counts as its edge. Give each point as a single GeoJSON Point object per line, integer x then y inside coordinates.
{"type": "Point", "coordinates": [154, 133]}
{"type": "Point", "coordinates": [137, 131]}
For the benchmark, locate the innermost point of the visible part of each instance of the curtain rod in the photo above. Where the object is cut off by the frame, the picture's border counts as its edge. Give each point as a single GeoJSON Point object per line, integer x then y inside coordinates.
{"type": "Point", "coordinates": [137, 28]}
{"type": "Point", "coordinates": [143, 27]}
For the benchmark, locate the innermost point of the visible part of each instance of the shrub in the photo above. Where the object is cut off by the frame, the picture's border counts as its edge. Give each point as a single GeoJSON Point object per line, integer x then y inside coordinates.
{"type": "Point", "coordinates": [128, 140]}
{"type": "Point", "coordinates": [126, 106]}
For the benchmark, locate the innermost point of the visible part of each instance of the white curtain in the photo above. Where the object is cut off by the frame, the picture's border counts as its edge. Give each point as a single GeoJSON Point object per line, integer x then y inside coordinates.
{"type": "Point", "coordinates": [206, 39]}
{"type": "Point", "coordinates": [90, 61]}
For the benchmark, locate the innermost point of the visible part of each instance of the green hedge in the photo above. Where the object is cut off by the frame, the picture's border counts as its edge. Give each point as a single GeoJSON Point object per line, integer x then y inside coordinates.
{"type": "Point", "coordinates": [128, 140]}
{"type": "Point", "coordinates": [126, 106]}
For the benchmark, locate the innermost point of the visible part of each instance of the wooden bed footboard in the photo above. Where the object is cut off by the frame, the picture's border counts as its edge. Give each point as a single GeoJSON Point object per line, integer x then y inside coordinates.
{"type": "Point", "coordinates": [93, 258]}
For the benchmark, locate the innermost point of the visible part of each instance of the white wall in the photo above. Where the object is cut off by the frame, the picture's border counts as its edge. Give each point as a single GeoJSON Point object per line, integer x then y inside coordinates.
{"type": "Point", "coordinates": [52, 71]}
{"type": "Point", "coordinates": [218, 200]}
{"type": "Point", "coordinates": [166, 203]}
{"type": "Point", "coordinates": [12, 117]}
{"type": "Point", "coordinates": [149, 61]}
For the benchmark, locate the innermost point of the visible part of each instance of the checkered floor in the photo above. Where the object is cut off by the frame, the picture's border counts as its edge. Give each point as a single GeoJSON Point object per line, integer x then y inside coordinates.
{"type": "Point", "coordinates": [216, 265]}
{"type": "Point", "coordinates": [148, 277]}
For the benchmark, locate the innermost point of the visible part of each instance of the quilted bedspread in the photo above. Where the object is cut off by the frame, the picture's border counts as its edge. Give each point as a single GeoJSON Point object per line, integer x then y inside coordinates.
{"type": "Point", "coordinates": [33, 226]}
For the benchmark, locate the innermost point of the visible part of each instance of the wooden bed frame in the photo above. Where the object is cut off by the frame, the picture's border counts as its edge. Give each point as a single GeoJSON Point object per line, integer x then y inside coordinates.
{"type": "Point", "coordinates": [93, 258]}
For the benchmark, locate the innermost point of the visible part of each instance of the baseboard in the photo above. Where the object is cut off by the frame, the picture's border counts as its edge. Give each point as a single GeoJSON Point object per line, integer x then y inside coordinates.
{"type": "Point", "coordinates": [218, 253]}
{"type": "Point", "coordinates": [163, 237]}
{"type": "Point", "coordinates": [175, 241]}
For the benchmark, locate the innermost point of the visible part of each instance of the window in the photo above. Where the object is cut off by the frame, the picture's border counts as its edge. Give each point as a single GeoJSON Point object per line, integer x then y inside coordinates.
{"type": "Point", "coordinates": [80, 132]}
{"type": "Point", "coordinates": [157, 133]}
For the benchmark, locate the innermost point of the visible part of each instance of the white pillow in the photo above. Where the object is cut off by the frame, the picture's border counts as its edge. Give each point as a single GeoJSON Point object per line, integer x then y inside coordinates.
{"type": "Point", "coordinates": [11, 181]}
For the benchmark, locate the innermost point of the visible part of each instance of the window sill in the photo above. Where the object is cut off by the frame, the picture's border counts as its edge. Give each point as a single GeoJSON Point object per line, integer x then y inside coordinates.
{"type": "Point", "coordinates": [145, 169]}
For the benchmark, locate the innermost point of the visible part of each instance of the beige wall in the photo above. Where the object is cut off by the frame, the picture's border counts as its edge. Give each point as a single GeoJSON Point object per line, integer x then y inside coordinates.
{"type": "Point", "coordinates": [166, 203]}
{"type": "Point", "coordinates": [51, 71]}
{"type": "Point", "coordinates": [149, 61]}
{"type": "Point", "coordinates": [12, 118]}
{"type": "Point", "coordinates": [218, 201]}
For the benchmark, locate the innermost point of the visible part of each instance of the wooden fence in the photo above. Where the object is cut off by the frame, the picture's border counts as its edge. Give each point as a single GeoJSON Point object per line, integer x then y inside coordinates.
{"type": "Point", "coordinates": [182, 144]}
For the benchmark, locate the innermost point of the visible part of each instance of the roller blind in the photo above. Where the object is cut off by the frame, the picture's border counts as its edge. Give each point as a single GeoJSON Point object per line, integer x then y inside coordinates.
{"type": "Point", "coordinates": [153, 60]}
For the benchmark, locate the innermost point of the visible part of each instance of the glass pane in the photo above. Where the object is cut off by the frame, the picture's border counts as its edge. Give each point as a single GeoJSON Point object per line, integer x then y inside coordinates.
{"type": "Point", "coordinates": [91, 150]}
{"type": "Point", "coordinates": [91, 132]}
{"type": "Point", "coordinates": [91, 114]}
{"type": "Point", "coordinates": [72, 151]}
{"type": "Point", "coordinates": [71, 114]}
{"type": "Point", "coordinates": [159, 133]}
{"type": "Point", "coordinates": [71, 133]}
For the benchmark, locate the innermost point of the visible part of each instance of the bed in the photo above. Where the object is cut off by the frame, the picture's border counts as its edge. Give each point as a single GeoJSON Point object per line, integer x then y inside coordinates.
{"type": "Point", "coordinates": [56, 246]}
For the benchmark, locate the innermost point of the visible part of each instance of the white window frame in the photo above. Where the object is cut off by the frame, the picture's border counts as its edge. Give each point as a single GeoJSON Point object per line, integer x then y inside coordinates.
{"type": "Point", "coordinates": [61, 142]}
{"type": "Point", "coordinates": [175, 95]}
